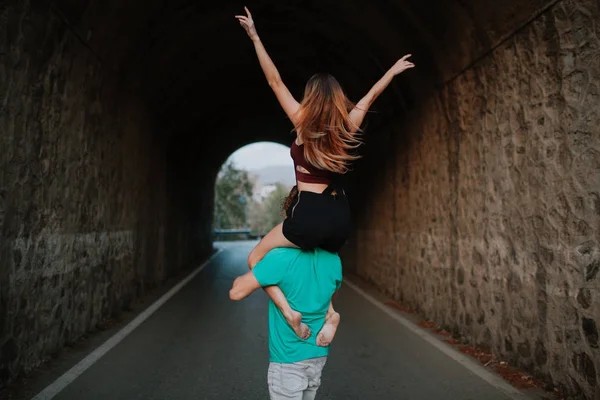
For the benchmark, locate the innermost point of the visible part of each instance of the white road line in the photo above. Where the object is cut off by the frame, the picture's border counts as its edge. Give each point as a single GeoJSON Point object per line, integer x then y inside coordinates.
{"type": "Point", "coordinates": [63, 381]}
{"type": "Point", "coordinates": [462, 359]}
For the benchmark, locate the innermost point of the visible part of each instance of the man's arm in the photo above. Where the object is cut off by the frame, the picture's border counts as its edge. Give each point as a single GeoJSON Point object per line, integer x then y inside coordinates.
{"type": "Point", "coordinates": [243, 286]}
{"type": "Point", "coordinates": [268, 272]}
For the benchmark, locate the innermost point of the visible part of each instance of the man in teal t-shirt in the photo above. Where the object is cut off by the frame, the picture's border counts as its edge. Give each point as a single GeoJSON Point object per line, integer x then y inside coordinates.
{"type": "Point", "coordinates": [308, 279]}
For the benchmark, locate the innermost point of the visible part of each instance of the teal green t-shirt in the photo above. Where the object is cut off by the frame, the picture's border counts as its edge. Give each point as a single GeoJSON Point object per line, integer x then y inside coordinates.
{"type": "Point", "coordinates": [308, 279]}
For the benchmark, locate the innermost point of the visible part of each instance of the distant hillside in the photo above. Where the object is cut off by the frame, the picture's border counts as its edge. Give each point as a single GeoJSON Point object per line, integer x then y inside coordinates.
{"type": "Point", "coordinates": [276, 174]}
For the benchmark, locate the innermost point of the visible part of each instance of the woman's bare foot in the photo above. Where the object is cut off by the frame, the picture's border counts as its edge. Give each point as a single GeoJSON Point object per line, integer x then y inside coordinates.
{"type": "Point", "coordinates": [295, 320]}
{"type": "Point", "coordinates": [327, 332]}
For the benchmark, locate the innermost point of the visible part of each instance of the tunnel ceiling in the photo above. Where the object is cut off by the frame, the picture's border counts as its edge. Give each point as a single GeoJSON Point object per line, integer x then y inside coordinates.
{"type": "Point", "coordinates": [198, 69]}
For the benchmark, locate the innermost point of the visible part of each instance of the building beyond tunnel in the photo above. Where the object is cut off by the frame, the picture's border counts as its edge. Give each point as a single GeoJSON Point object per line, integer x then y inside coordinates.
{"type": "Point", "coordinates": [479, 200]}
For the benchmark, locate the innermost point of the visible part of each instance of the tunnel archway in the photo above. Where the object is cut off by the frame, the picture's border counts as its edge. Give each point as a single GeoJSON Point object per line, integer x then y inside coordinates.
{"type": "Point", "coordinates": [249, 190]}
{"type": "Point", "coordinates": [476, 201]}
{"type": "Point", "coordinates": [263, 154]}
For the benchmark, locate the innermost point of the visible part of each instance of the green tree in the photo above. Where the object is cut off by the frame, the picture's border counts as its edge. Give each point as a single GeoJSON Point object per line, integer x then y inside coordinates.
{"type": "Point", "coordinates": [233, 191]}
{"type": "Point", "coordinates": [268, 213]}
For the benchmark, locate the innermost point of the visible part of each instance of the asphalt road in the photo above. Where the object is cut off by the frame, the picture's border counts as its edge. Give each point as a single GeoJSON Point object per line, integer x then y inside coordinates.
{"type": "Point", "coordinates": [201, 345]}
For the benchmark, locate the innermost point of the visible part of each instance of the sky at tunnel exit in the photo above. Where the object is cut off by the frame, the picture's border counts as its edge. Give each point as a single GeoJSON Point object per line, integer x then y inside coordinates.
{"type": "Point", "coordinates": [260, 155]}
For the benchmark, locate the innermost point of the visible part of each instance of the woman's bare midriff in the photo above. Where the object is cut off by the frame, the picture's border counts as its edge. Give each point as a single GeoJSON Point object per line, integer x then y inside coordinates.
{"type": "Point", "coordinates": [311, 187]}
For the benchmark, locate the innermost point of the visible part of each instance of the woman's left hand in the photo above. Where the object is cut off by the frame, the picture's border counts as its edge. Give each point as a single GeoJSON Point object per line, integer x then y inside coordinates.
{"type": "Point", "coordinates": [247, 23]}
{"type": "Point", "coordinates": [402, 65]}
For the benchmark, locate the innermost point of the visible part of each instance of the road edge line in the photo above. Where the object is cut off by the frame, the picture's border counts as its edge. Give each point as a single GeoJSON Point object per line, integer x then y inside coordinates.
{"type": "Point", "coordinates": [65, 379]}
{"type": "Point", "coordinates": [460, 358]}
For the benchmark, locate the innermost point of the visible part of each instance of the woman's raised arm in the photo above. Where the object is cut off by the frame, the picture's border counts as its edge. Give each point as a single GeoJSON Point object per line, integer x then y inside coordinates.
{"type": "Point", "coordinates": [360, 110]}
{"type": "Point", "coordinates": [287, 101]}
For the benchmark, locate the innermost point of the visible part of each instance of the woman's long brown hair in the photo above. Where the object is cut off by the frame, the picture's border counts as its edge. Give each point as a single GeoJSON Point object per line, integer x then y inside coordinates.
{"type": "Point", "coordinates": [325, 127]}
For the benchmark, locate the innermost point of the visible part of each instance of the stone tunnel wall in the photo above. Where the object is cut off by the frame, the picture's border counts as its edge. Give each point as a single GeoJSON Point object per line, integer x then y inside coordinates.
{"type": "Point", "coordinates": [84, 215]}
{"type": "Point", "coordinates": [487, 217]}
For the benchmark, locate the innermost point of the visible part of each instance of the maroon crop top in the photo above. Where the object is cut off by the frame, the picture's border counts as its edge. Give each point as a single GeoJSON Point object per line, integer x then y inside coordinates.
{"type": "Point", "coordinates": [315, 175]}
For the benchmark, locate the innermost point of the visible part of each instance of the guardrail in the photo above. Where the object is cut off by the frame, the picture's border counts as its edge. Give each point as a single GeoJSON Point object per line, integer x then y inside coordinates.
{"type": "Point", "coordinates": [219, 233]}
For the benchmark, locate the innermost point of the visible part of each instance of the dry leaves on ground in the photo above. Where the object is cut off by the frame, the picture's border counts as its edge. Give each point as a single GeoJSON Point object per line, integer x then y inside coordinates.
{"type": "Point", "coordinates": [518, 379]}
{"type": "Point", "coordinates": [398, 306]}
{"type": "Point", "coordinates": [515, 377]}
{"type": "Point", "coordinates": [427, 324]}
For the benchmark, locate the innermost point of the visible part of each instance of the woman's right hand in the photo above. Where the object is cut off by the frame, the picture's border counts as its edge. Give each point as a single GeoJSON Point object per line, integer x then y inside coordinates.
{"type": "Point", "coordinates": [402, 65]}
{"type": "Point", "coordinates": [247, 23]}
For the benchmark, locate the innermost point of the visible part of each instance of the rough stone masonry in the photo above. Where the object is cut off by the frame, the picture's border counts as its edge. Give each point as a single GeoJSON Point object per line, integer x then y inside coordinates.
{"type": "Point", "coordinates": [86, 225]}
{"type": "Point", "coordinates": [480, 208]}
{"type": "Point", "coordinates": [487, 218]}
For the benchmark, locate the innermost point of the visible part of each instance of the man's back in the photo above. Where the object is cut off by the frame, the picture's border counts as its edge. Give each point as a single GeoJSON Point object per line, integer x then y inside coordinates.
{"type": "Point", "coordinates": [308, 279]}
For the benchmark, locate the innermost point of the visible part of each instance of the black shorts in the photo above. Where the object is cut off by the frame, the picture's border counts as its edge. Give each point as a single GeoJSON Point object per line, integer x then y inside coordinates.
{"type": "Point", "coordinates": [318, 220]}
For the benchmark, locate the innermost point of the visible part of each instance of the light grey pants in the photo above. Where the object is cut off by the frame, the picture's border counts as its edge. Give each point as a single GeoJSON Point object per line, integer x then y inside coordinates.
{"type": "Point", "coordinates": [297, 381]}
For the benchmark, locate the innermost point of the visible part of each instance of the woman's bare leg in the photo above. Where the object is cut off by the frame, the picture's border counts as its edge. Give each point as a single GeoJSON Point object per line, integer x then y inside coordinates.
{"type": "Point", "coordinates": [272, 240]}
{"type": "Point", "coordinates": [327, 332]}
